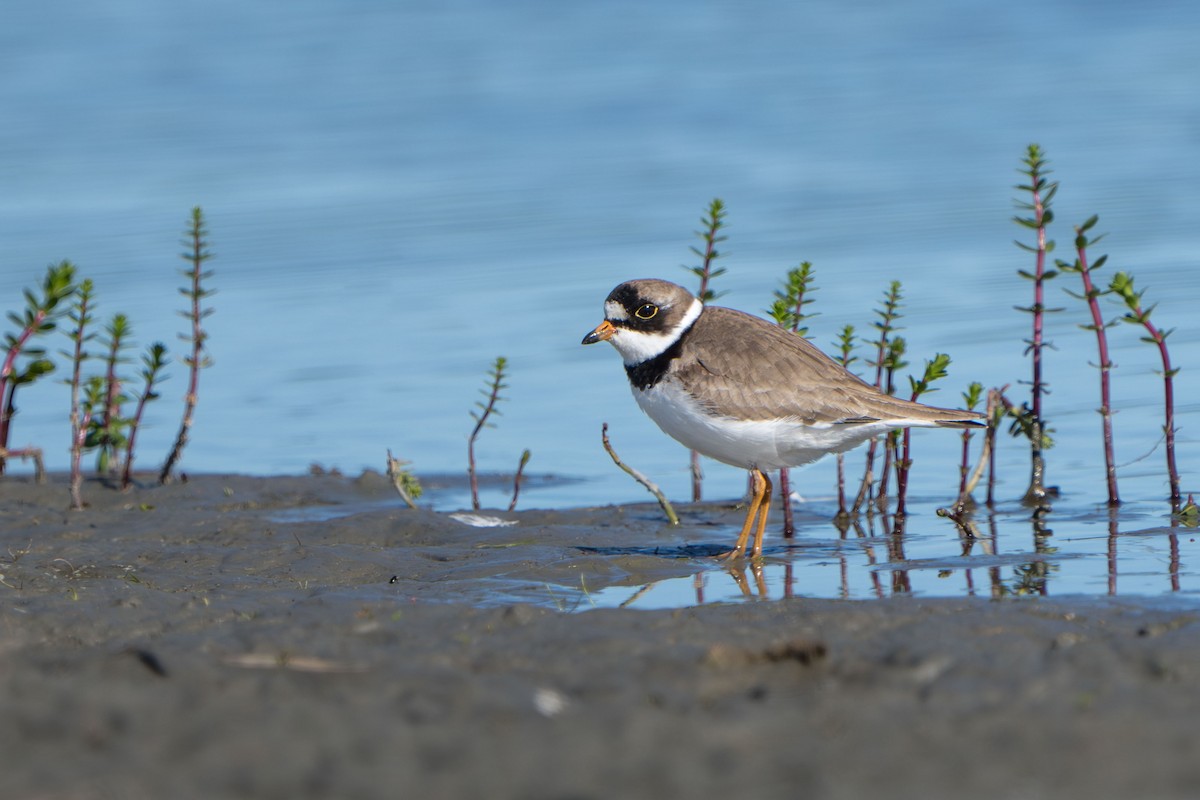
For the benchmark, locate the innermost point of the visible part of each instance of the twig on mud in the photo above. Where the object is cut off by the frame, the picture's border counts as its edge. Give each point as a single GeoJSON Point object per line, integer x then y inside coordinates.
{"type": "Point", "coordinates": [959, 512]}
{"type": "Point", "coordinates": [640, 478]}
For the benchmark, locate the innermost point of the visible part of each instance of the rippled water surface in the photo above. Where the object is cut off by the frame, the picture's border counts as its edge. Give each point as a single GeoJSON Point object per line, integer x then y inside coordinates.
{"type": "Point", "coordinates": [399, 193]}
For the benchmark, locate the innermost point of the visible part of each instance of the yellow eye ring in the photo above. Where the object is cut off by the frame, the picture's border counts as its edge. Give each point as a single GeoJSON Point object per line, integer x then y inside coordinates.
{"type": "Point", "coordinates": [648, 311]}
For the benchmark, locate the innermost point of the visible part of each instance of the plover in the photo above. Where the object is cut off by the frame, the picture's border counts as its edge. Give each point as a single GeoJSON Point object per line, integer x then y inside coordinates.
{"type": "Point", "coordinates": [744, 391]}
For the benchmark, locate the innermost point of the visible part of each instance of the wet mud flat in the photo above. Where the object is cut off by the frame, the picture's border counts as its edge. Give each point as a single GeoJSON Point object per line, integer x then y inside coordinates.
{"type": "Point", "coordinates": [308, 637]}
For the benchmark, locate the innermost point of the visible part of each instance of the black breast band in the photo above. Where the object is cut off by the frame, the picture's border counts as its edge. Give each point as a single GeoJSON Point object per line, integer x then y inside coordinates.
{"type": "Point", "coordinates": [649, 372]}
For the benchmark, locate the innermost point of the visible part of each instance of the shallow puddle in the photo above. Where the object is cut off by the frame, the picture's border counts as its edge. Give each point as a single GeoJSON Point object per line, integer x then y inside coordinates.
{"type": "Point", "coordinates": [1085, 554]}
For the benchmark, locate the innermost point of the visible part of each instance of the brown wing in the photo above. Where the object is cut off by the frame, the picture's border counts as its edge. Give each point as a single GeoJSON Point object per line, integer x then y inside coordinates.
{"type": "Point", "coordinates": [740, 365]}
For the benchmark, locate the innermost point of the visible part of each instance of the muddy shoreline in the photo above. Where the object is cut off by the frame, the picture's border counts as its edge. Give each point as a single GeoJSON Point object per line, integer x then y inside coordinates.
{"type": "Point", "coordinates": [308, 637]}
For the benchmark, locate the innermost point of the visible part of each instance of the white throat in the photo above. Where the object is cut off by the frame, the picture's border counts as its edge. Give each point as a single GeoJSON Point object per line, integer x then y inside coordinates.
{"type": "Point", "coordinates": [638, 346]}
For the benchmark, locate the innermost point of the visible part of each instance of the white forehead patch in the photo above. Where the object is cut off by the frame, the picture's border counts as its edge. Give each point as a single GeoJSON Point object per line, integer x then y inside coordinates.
{"type": "Point", "coordinates": [638, 346]}
{"type": "Point", "coordinates": [615, 311]}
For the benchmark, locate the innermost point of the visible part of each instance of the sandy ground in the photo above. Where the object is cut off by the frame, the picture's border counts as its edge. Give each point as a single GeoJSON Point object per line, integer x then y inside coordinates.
{"type": "Point", "coordinates": [309, 638]}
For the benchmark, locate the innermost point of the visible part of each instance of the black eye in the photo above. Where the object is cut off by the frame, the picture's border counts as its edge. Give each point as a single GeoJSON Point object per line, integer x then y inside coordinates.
{"type": "Point", "coordinates": [648, 311]}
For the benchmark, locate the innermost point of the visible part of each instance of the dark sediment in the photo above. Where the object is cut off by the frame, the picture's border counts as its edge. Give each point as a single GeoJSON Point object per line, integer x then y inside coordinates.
{"type": "Point", "coordinates": [308, 637]}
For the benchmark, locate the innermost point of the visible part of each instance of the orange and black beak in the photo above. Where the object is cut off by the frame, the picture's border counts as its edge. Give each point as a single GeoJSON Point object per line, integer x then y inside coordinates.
{"type": "Point", "coordinates": [602, 333]}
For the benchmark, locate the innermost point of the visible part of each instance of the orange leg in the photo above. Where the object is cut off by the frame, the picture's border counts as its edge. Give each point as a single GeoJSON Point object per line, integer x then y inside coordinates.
{"type": "Point", "coordinates": [764, 506]}
{"type": "Point", "coordinates": [760, 501]}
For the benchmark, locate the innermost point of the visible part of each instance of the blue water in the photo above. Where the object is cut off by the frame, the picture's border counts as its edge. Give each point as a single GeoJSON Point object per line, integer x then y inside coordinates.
{"type": "Point", "coordinates": [398, 193]}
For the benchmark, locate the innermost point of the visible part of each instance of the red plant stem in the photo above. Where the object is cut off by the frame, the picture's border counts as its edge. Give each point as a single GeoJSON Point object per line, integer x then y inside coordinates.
{"type": "Point", "coordinates": [889, 449]}
{"type": "Point", "coordinates": [190, 399]}
{"type": "Point", "coordinates": [902, 465]}
{"type": "Point", "coordinates": [474, 479]}
{"type": "Point", "coordinates": [1110, 466]}
{"type": "Point", "coordinates": [785, 489]}
{"type": "Point", "coordinates": [112, 410]}
{"type": "Point", "coordinates": [785, 494]}
{"type": "Point", "coordinates": [709, 253]}
{"type": "Point", "coordinates": [1037, 483]}
{"type": "Point", "coordinates": [1169, 402]}
{"type": "Point", "coordinates": [493, 398]}
{"type": "Point", "coordinates": [991, 487]}
{"type": "Point", "coordinates": [16, 349]}
{"type": "Point", "coordinates": [517, 485]}
{"type": "Point", "coordinates": [995, 400]}
{"type": "Point", "coordinates": [6, 371]}
{"type": "Point", "coordinates": [127, 472]}
{"type": "Point", "coordinates": [77, 427]}
{"type": "Point", "coordinates": [965, 468]}
{"type": "Point", "coordinates": [890, 456]}
{"type": "Point", "coordinates": [80, 433]}
{"type": "Point", "coordinates": [708, 257]}
{"type": "Point", "coordinates": [868, 481]}
{"type": "Point", "coordinates": [471, 473]}
{"type": "Point", "coordinates": [1039, 297]}
{"type": "Point", "coordinates": [9, 408]}
{"type": "Point", "coordinates": [1169, 412]}
{"type": "Point", "coordinates": [841, 484]}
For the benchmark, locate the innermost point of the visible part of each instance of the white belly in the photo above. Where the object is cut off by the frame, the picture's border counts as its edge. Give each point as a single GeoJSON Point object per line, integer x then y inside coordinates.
{"type": "Point", "coordinates": [767, 445]}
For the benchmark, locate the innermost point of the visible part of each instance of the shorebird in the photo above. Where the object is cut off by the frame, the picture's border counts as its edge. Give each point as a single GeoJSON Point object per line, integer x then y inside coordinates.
{"type": "Point", "coordinates": [744, 391]}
